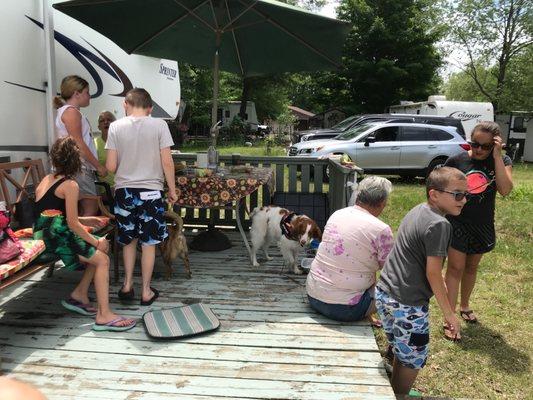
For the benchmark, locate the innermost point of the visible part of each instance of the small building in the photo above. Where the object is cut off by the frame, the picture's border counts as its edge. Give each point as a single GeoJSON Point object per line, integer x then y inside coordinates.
{"type": "Point", "coordinates": [302, 116]}
{"type": "Point", "coordinates": [328, 118]}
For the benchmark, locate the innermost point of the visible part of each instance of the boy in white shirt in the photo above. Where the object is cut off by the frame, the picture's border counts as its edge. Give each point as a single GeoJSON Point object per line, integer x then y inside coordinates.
{"type": "Point", "coordinates": [138, 152]}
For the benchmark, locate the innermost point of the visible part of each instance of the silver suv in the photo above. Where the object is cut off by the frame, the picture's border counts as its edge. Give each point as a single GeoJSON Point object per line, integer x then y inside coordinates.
{"type": "Point", "coordinates": [405, 149]}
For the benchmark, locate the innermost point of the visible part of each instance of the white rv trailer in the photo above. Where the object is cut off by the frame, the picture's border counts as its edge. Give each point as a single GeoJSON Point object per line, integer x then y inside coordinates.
{"type": "Point", "coordinates": [229, 110]}
{"type": "Point", "coordinates": [469, 112]}
{"type": "Point", "coordinates": [25, 74]}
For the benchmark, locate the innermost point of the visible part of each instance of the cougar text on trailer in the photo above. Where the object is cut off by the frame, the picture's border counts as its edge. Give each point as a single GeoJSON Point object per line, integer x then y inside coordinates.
{"type": "Point", "coordinates": [469, 112]}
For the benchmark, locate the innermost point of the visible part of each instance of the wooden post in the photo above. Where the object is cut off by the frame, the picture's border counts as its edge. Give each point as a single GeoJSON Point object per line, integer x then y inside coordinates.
{"type": "Point", "coordinates": [338, 177]}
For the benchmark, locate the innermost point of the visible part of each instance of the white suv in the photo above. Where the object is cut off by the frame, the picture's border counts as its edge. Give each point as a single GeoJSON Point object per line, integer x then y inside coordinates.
{"type": "Point", "coordinates": [405, 149]}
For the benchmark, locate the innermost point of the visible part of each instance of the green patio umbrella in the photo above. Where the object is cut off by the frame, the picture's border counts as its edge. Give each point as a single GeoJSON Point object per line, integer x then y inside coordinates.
{"type": "Point", "coordinates": [247, 37]}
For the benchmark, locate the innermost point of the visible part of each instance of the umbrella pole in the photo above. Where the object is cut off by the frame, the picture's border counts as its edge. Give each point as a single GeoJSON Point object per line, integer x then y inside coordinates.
{"type": "Point", "coordinates": [214, 110]}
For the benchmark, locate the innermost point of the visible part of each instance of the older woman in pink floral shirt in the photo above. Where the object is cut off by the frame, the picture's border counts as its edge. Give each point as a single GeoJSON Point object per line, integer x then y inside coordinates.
{"type": "Point", "coordinates": [355, 245]}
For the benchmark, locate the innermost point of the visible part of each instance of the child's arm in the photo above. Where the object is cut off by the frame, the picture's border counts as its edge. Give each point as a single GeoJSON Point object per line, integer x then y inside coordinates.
{"type": "Point", "coordinates": [504, 173]}
{"type": "Point", "coordinates": [111, 162]}
{"type": "Point", "coordinates": [168, 169]}
{"type": "Point", "coordinates": [436, 281]}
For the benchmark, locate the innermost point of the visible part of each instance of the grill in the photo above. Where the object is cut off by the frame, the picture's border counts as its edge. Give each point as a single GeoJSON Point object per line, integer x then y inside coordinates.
{"type": "Point", "coordinates": [293, 151]}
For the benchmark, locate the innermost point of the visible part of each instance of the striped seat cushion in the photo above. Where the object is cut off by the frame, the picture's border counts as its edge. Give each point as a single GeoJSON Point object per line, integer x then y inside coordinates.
{"type": "Point", "coordinates": [32, 249]}
{"type": "Point", "coordinates": [180, 322]}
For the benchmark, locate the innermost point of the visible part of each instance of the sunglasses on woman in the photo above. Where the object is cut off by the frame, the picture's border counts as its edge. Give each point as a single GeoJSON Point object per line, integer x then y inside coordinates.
{"type": "Point", "coordinates": [458, 196]}
{"type": "Point", "coordinates": [486, 147]}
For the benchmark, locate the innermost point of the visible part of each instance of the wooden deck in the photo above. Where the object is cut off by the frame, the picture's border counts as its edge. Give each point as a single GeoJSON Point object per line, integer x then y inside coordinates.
{"type": "Point", "coordinates": [270, 345]}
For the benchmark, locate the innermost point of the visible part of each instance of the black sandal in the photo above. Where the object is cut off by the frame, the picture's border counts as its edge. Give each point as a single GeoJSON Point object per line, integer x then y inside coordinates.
{"type": "Point", "coordinates": [446, 328]}
{"type": "Point", "coordinates": [126, 296]}
{"type": "Point", "coordinates": [465, 315]}
{"type": "Point", "coordinates": [155, 296]}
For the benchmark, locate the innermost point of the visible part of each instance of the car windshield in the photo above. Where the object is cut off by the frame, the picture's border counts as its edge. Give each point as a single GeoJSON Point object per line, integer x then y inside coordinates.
{"type": "Point", "coordinates": [354, 132]}
{"type": "Point", "coordinates": [345, 123]}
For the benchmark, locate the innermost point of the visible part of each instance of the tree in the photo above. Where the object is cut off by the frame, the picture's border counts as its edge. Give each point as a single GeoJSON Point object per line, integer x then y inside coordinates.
{"type": "Point", "coordinates": [491, 34]}
{"type": "Point", "coordinates": [516, 93]}
{"type": "Point", "coordinates": [319, 91]}
{"type": "Point", "coordinates": [390, 54]}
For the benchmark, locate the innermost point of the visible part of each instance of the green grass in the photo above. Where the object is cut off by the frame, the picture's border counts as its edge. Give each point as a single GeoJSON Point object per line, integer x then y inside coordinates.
{"type": "Point", "coordinates": [258, 149]}
{"type": "Point", "coordinates": [494, 358]}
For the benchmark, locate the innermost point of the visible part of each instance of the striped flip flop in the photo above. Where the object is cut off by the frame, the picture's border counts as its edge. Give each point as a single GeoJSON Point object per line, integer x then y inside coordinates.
{"type": "Point", "coordinates": [178, 322]}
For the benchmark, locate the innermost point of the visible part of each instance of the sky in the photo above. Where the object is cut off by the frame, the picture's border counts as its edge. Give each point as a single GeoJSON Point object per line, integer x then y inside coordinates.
{"type": "Point", "coordinates": [329, 9]}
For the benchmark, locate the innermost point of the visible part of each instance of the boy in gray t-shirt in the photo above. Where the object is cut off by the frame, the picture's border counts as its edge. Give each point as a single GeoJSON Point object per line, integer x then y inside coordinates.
{"type": "Point", "coordinates": [138, 152]}
{"type": "Point", "coordinates": [413, 273]}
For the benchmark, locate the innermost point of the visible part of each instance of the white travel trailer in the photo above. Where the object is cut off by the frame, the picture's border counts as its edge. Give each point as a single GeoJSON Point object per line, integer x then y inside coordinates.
{"type": "Point", "coordinates": [39, 47]}
{"type": "Point", "coordinates": [227, 111]}
{"type": "Point", "coordinates": [469, 112]}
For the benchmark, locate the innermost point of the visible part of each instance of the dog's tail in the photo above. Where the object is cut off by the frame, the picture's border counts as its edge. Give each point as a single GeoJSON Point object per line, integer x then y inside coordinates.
{"type": "Point", "coordinates": [171, 216]}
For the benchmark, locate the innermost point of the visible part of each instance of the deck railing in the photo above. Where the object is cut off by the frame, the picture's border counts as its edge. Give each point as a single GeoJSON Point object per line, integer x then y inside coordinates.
{"type": "Point", "coordinates": [292, 174]}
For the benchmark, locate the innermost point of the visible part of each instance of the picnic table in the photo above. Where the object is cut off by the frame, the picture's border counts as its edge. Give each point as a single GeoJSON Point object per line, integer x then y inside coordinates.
{"type": "Point", "coordinates": [223, 188]}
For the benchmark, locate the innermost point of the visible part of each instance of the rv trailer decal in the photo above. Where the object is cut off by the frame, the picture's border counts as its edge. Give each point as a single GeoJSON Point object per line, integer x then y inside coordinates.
{"type": "Point", "coordinates": [464, 116]}
{"type": "Point", "coordinates": [83, 55]}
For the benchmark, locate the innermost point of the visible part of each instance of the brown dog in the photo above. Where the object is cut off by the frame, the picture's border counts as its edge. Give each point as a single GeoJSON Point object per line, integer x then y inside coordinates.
{"type": "Point", "coordinates": [175, 244]}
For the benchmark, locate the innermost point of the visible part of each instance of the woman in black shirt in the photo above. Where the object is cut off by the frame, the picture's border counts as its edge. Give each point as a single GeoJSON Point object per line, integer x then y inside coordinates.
{"type": "Point", "coordinates": [487, 172]}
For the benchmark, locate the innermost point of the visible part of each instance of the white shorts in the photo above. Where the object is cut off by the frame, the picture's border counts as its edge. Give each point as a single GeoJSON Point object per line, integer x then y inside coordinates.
{"type": "Point", "coordinates": [85, 181]}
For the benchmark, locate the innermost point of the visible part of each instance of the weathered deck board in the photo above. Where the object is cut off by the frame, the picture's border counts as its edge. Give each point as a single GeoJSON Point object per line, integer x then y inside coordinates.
{"type": "Point", "coordinates": [270, 345]}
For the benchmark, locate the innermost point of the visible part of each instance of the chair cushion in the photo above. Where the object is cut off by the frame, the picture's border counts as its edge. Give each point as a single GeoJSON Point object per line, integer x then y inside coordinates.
{"type": "Point", "coordinates": [32, 249]}
{"type": "Point", "coordinates": [26, 233]}
{"type": "Point", "coordinates": [178, 322]}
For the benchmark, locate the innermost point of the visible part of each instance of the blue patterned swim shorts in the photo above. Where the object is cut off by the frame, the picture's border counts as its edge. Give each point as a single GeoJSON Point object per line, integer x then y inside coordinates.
{"type": "Point", "coordinates": [407, 329]}
{"type": "Point", "coordinates": [138, 218]}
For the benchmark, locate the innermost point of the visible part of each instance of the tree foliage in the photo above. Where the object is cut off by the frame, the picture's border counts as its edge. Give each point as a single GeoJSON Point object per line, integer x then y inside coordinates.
{"type": "Point", "coordinates": [390, 54]}
{"type": "Point", "coordinates": [516, 94]}
{"type": "Point", "coordinates": [490, 35]}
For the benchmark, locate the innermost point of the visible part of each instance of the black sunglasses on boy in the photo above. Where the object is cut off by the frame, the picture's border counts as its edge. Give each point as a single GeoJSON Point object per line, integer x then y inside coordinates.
{"type": "Point", "coordinates": [458, 196]}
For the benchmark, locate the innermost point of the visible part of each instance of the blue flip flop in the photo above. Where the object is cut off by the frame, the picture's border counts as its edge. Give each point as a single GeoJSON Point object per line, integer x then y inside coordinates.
{"type": "Point", "coordinates": [78, 307]}
{"type": "Point", "coordinates": [114, 325]}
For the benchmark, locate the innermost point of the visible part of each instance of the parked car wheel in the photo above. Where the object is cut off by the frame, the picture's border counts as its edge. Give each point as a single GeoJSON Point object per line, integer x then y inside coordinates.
{"type": "Point", "coordinates": [434, 163]}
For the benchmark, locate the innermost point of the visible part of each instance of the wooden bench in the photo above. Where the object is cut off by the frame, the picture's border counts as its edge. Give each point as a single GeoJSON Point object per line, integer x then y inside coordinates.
{"type": "Point", "coordinates": [12, 190]}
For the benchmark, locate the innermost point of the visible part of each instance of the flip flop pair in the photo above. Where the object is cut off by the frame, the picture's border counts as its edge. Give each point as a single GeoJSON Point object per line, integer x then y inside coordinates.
{"type": "Point", "coordinates": [115, 325]}
{"type": "Point", "coordinates": [79, 307]}
{"type": "Point", "coordinates": [130, 296]}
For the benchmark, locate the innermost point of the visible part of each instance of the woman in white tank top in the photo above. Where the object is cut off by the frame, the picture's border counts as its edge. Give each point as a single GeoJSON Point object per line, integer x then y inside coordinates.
{"type": "Point", "coordinates": [70, 122]}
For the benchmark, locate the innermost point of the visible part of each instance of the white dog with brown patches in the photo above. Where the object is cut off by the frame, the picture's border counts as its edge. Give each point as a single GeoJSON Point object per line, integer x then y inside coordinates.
{"type": "Point", "coordinates": [290, 231]}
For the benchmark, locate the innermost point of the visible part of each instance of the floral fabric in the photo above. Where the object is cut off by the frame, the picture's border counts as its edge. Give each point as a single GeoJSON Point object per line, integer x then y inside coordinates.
{"type": "Point", "coordinates": [221, 188]}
